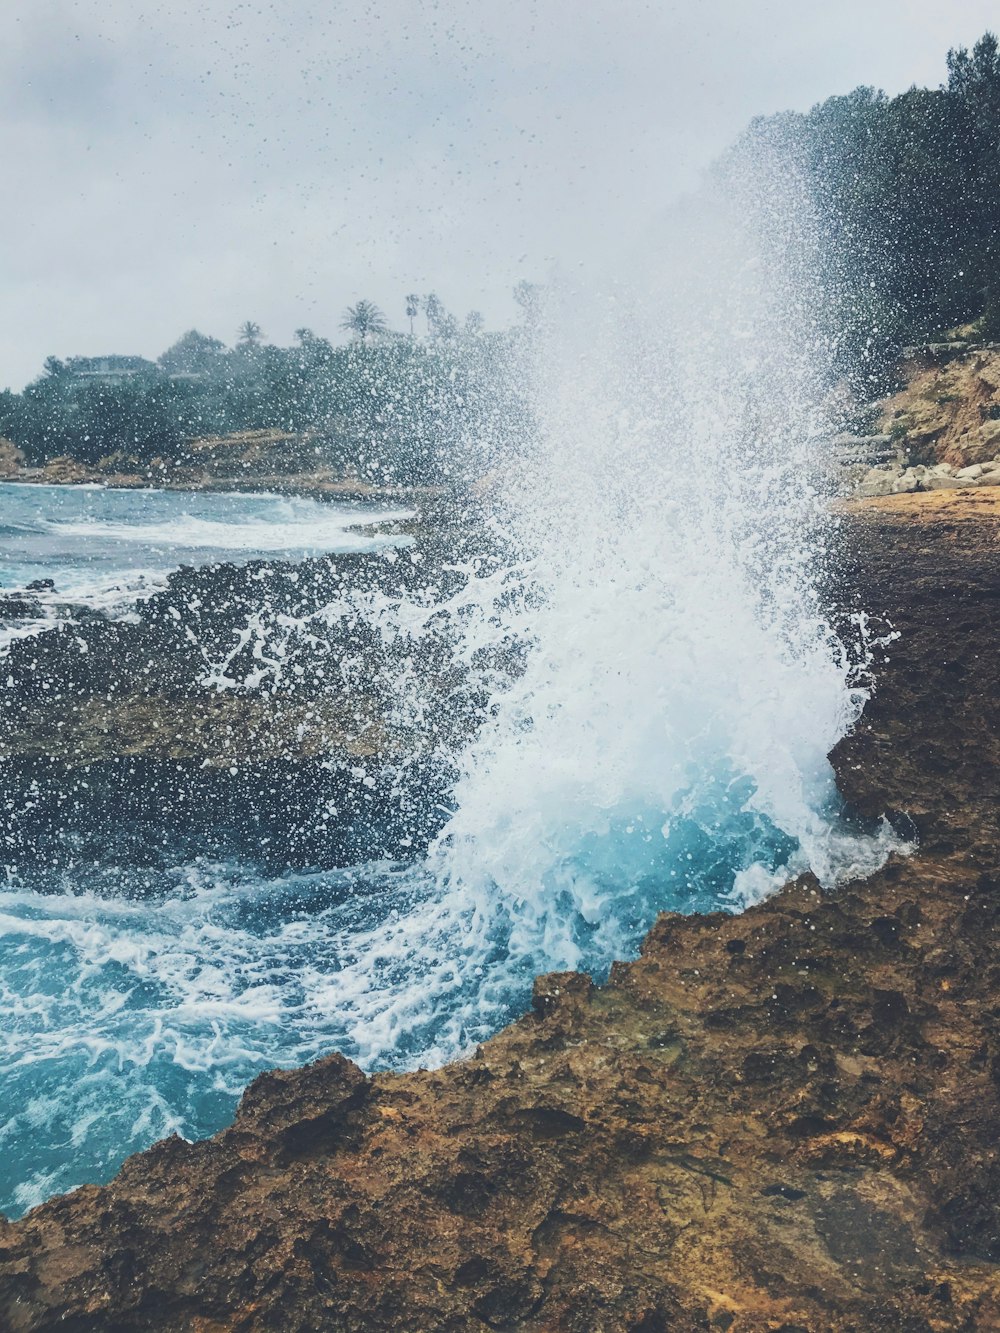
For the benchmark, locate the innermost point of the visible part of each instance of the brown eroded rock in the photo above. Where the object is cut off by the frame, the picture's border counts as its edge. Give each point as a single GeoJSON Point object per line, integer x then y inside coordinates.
{"type": "Point", "coordinates": [949, 412]}
{"type": "Point", "coordinates": [786, 1120]}
{"type": "Point", "coordinates": [11, 459]}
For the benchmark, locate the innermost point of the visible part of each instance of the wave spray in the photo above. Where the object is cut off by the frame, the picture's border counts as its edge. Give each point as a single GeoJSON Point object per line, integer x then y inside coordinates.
{"type": "Point", "coordinates": [666, 746]}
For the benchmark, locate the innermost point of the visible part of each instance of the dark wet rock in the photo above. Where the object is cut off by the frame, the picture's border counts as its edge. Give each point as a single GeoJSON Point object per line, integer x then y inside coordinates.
{"type": "Point", "coordinates": [785, 1120]}
{"type": "Point", "coordinates": [16, 606]}
{"type": "Point", "coordinates": [278, 813]}
{"type": "Point", "coordinates": [112, 733]}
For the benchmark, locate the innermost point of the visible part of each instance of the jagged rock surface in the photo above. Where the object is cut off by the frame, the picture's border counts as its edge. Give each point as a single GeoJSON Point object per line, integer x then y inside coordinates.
{"type": "Point", "coordinates": [785, 1120]}
{"type": "Point", "coordinates": [949, 408]}
{"type": "Point", "coordinates": [110, 729]}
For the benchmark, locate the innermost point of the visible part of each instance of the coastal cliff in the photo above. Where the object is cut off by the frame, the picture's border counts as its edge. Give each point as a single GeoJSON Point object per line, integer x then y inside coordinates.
{"type": "Point", "coordinates": [782, 1120]}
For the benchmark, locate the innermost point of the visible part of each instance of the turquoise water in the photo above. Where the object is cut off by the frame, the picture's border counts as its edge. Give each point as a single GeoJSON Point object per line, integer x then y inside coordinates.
{"type": "Point", "coordinates": [138, 1005]}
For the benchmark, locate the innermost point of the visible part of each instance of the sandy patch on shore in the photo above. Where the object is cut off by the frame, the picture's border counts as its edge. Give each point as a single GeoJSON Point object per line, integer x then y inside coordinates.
{"type": "Point", "coordinates": [928, 506]}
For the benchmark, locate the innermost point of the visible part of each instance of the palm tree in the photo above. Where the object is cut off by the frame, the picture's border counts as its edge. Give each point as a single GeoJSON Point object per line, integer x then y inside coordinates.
{"type": "Point", "coordinates": [365, 320]}
{"type": "Point", "coordinates": [250, 333]}
{"type": "Point", "coordinates": [412, 309]}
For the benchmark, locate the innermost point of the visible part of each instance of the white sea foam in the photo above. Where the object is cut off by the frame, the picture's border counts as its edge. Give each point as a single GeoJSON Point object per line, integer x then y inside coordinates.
{"type": "Point", "coordinates": [293, 527]}
{"type": "Point", "coordinates": [667, 743]}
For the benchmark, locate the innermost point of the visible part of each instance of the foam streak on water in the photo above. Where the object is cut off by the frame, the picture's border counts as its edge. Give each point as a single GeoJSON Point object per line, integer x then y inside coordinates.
{"type": "Point", "coordinates": [665, 748]}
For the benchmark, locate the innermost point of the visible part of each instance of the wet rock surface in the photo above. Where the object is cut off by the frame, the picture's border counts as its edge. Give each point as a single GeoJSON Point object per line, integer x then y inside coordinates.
{"type": "Point", "coordinates": [245, 710]}
{"type": "Point", "coordinates": [786, 1120]}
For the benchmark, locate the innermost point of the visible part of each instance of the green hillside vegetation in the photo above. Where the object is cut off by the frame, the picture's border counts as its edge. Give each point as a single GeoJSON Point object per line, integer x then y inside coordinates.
{"type": "Point", "coordinates": [908, 201]}
{"type": "Point", "coordinates": [907, 194]}
{"type": "Point", "coordinates": [387, 408]}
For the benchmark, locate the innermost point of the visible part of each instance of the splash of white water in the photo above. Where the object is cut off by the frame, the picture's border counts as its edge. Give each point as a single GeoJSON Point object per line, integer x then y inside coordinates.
{"type": "Point", "coordinates": [683, 685]}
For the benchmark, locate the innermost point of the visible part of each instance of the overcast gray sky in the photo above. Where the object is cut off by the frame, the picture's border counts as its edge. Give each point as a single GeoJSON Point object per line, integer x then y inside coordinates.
{"type": "Point", "coordinates": [201, 164]}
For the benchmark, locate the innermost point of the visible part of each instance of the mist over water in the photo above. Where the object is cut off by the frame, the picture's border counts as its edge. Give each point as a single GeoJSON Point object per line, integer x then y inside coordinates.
{"type": "Point", "coordinates": [664, 748]}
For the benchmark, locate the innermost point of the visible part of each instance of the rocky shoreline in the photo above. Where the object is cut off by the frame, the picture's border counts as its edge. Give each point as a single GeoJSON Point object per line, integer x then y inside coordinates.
{"type": "Point", "coordinates": [274, 461]}
{"type": "Point", "coordinates": [900, 478]}
{"type": "Point", "coordinates": [784, 1120]}
{"type": "Point", "coordinates": [247, 702]}
{"type": "Point", "coordinates": [939, 431]}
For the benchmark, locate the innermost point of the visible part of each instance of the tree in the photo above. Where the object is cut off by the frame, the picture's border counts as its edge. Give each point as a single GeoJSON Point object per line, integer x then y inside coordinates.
{"type": "Point", "coordinates": [528, 296]}
{"type": "Point", "coordinates": [974, 90]}
{"type": "Point", "coordinates": [412, 309]}
{"type": "Point", "coordinates": [907, 194]}
{"type": "Point", "coordinates": [10, 411]}
{"type": "Point", "coordinates": [193, 353]}
{"type": "Point", "coordinates": [249, 334]}
{"type": "Point", "coordinates": [440, 324]}
{"type": "Point", "coordinates": [976, 76]}
{"type": "Point", "coordinates": [365, 320]}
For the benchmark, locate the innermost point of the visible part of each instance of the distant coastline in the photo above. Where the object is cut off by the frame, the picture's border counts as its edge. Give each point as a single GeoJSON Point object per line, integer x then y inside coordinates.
{"type": "Point", "coordinates": [262, 472]}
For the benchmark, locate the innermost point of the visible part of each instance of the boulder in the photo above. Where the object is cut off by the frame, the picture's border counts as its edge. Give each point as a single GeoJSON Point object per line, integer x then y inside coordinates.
{"type": "Point", "coordinates": [938, 482]}
{"type": "Point", "coordinates": [911, 479]}
{"type": "Point", "coordinates": [15, 606]}
{"type": "Point", "coordinates": [876, 476]}
{"type": "Point", "coordinates": [905, 484]}
{"type": "Point", "coordinates": [882, 485]}
{"type": "Point", "coordinates": [11, 459]}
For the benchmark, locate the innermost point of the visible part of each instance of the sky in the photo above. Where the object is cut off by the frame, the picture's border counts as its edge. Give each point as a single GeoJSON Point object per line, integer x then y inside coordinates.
{"type": "Point", "coordinates": [197, 165]}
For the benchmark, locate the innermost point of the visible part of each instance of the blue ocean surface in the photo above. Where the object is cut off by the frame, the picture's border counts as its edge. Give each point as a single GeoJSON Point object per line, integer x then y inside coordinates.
{"type": "Point", "coordinates": [105, 547]}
